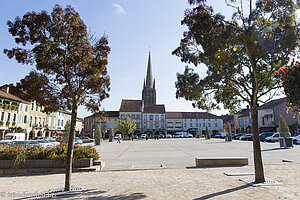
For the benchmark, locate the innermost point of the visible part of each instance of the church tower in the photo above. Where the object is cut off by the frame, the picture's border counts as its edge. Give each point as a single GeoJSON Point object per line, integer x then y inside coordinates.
{"type": "Point", "coordinates": [149, 92]}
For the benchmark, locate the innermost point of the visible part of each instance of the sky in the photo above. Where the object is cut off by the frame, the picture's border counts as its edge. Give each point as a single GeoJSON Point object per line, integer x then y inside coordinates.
{"type": "Point", "coordinates": [133, 27]}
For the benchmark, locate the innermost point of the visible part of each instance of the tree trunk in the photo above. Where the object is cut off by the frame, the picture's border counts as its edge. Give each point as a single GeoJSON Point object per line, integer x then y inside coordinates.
{"type": "Point", "coordinates": [69, 160]}
{"type": "Point", "coordinates": [258, 165]}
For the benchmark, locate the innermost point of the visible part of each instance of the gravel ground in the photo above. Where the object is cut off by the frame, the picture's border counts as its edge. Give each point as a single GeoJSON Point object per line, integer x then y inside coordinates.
{"type": "Point", "coordinates": [184, 183]}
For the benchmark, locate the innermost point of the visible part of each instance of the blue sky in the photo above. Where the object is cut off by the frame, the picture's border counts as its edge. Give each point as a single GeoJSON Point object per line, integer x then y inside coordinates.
{"type": "Point", "coordinates": [133, 27]}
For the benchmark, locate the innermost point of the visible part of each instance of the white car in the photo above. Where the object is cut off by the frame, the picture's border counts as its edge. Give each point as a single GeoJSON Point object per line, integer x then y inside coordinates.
{"type": "Point", "coordinates": [52, 141]}
{"type": "Point", "coordinates": [168, 136]}
{"type": "Point", "coordinates": [44, 143]}
{"type": "Point", "coordinates": [274, 137]}
{"type": "Point", "coordinates": [296, 139]}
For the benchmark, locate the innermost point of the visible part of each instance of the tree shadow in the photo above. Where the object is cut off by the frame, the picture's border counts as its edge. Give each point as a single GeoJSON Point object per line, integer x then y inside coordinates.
{"type": "Point", "coordinates": [89, 194]}
{"type": "Point", "coordinates": [223, 192]}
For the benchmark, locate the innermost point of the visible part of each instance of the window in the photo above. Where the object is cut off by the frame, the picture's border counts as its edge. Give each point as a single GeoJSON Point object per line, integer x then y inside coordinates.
{"type": "Point", "coordinates": [26, 108]}
{"type": "Point", "coordinates": [31, 106]}
{"type": "Point", "coordinates": [15, 116]}
{"type": "Point", "coordinates": [208, 124]}
{"type": "Point", "coordinates": [62, 122]}
{"type": "Point", "coordinates": [162, 117]}
{"type": "Point", "coordinates": [49, 121]}
{"type": "Point", "coordinates": [138, 116]}
{"type": "Point", "coordinates": [137, 125]}
{"type": "Point", "coordinates": [62, 114]}
{"type": "Point", "coordinates": [145, 117]}
{"type": "Point", "coordinates": [215, 120]}
{"type": "Point", "coordinates": [151, 124]}
{"type": "Point", "coordinates": [151, 117]}
{"type": "Point", "coordinates": [36, 108]}
{"type": "Point", "coordinates": [184, 124]}
{"type": "Point", "coordinates": [156, 117]}
{"type": "Point", "coordinates": [163, 124]}
{"type": "Point", "coordinates": [8, 117]}
{"type": "Point", "coordinates": [145, 125]}
{"type": "Point", "coordinates": [191, 125]}
{"type": "Point", "coordinates": [21, 107]}
{"type": "Point", "coordinates": [58, 122]}
{"type": "Point", "coordinates": [2, 116]}
{"type": "Point", "coordinates": [156, 125]}
{"type": "Point", "coordinates": [196, 124]}
{"type": "Point", "coordinates": [43, 125]}
{"type": "Point", "coordinates": [30, 121]}
{"type": "Point", "coordinates": [35, 121]}
{"type": "Point", "coordinates": [216, 125]}
{"type": "Point", "coordinates": [203, 124]}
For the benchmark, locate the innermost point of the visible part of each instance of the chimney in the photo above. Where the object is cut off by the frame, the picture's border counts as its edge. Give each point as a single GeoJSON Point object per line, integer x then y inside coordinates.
{"type": "Point", "coordinates": [5, 89]}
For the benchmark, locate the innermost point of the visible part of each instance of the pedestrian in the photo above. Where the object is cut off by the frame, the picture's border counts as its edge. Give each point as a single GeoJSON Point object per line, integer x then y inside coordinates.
{"type": "Point", "coordinates": [119, 138]}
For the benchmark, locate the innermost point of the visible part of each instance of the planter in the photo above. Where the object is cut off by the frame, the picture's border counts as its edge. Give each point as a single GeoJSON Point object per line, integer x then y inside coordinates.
{"type": "Point", "coordinates": [97, 142]}
{"type": "Point", "coordinates": [9, 164]}
{"type": "Point", "coordinates": [286, 142]}
{"type": "Point", "coordinates": [228, 138]}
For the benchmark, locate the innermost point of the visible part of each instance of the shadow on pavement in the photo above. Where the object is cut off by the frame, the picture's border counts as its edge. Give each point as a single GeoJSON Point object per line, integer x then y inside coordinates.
{"type": "Point", "coordinates": [89, 195]}
{"type": "Point", "coordinates": [274, 149]}
{"type": "Point", "coordinates": [223, 192]}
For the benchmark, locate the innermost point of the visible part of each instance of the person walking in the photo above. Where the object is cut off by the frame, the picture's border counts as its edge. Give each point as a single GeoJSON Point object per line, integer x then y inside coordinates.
{"type": "Point", "coordinates": [119, 139]}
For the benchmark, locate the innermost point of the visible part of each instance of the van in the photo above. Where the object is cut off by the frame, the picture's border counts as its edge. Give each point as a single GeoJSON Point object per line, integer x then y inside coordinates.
{"type": "Point", "coordinates": [11, 137]}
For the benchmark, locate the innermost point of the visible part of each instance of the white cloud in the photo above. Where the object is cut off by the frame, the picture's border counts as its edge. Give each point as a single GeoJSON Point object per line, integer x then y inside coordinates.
{"type": "Point", "coordinates": [119, 9]}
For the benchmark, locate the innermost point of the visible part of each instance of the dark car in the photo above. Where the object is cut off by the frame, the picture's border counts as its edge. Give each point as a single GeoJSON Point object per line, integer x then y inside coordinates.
{"type": "Point", "coordinates": [262, 136]}
{"type": "Point", "coordinates": [247, 137]}
{"type": "Point", "coordinates": [237, 136]}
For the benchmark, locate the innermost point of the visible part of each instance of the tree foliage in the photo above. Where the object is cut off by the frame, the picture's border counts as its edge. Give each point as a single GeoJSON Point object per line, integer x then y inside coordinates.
{"type": "Point", "coordinates": [126, 126]}
{"type": "Point", "coordinates": [71, 66]}
{"type": "Point", "coordinates": [241, 55]}
{"type": "Point", "coordinates": [69, 63]}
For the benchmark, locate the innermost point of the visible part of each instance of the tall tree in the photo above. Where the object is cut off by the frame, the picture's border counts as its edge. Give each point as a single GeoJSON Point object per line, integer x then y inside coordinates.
{"type": "Point", "coordinates": [66, 132]}
{"type": "Point", "coordinates": [71, 66]}
{"type": "Point", "coordinates": [241, 55]}
{"type": "Point", "coordinates": [126, 126]}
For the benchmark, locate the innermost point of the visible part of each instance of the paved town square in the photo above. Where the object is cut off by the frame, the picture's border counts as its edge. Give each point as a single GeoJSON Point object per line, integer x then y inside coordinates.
{"type": "Point", "coordinates": [164, 169]}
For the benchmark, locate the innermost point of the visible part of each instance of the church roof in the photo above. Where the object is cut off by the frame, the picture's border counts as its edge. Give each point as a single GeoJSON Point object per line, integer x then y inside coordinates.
{"type": "Point", "coordinates": [272, 104]}
{"type": "Point", "coordinates": [149, 80]}
{"type": "Point", "coordinates": [131, 105]}
{"type": "Point", "coordinates": [154, 109]}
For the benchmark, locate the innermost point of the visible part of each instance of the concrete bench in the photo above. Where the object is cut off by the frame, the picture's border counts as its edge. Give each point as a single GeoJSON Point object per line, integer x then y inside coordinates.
{"type": "Point", "coordinates": [220, 161]}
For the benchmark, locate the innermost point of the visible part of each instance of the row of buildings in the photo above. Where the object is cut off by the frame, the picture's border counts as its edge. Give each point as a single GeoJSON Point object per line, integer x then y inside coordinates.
{"type": "Point", "coordinates": [151, 118]}
{"type": "Point", "coordinates": [17, 114]}
{"type": "Point", "coordinates": [268, 118]}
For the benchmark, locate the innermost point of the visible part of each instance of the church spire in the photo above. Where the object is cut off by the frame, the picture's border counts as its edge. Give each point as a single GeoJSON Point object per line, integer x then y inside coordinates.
{"type": "Point", "coordinates": [149, 83]}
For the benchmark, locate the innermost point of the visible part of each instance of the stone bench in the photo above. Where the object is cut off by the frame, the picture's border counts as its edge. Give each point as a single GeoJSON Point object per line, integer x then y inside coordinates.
{"type": "Point", "coordinates": [220, 161]}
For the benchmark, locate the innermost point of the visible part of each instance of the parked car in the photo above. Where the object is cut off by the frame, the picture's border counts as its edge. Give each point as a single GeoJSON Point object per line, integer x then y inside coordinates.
{"type": "Point", "coordinates": [178, 135]}
{"type": "Point", "coordinates": [221, 135]}
{"type": "Point", "coordinates": [296, 139]}
{"type": "Point", "coordinates": [77, 140]}
{"type": "Point", "coordinates": [262, 136]}
{"type": "Point", "coordinates": [247, 137]}
{"type": "Point", "coordinates": [238, 136]}
{"type": "Point", "coordinates": [86, 139]}
{"type": "Point", "coordinates": [188, 135]}
{"type": "Point", "coordinates": [117, 136]}
{"type": "Point", "coordinates": [168, 136]}
{"type": "Point", "coordinates": [152, 136]}
{"type": "Point", "coordinates": [52, 141]}
{"type": "Point", "coordinates": [161, 135]}
{"type": "Point", "coordinates": [44, 143]}
{"type": "Point", "coordinates": [143, 136]}
{"type": "Point", "coordinates": [273, 138]}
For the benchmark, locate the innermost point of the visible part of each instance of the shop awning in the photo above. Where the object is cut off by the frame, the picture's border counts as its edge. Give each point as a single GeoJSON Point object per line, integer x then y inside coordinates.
{"type": "Point", "coordinates": [59, 132]}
